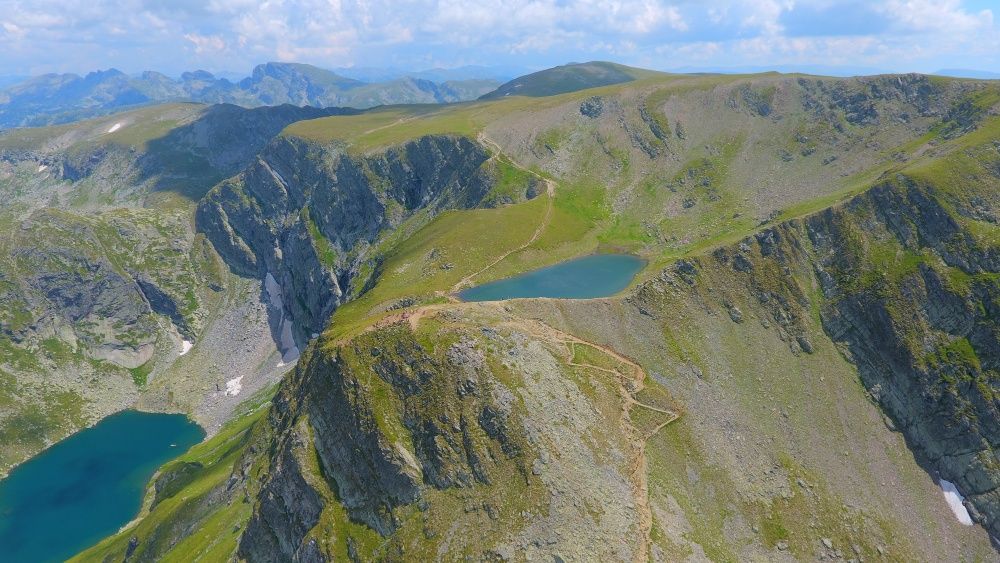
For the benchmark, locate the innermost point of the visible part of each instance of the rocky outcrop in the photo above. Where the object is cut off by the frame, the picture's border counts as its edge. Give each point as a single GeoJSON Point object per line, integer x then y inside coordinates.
{"type": "Point", "coordinates": [287, 510]}
{"type": "Point", "coordinates": [386, 418]}
{"type": "Point", "coordinates": [309, 214]}
{"type": "Point", "coordinates": [873, 100]}
{"type": "Point", "coordinates": [70, 288]}
{"type": "Point", "coordinates": [162, 303]}
{"type": "Point", "coordinates": [908, 293]}
{"type": "Point", "coordinates": [922, 330]}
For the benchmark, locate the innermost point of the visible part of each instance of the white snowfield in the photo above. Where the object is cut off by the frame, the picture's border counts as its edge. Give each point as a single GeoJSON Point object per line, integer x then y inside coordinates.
{"type": "Point", "coordinates": [234, 386]}
{"type": "Point", "coordinates": [186, 346]}
{"type": "Point", "coordinates": [42, 167]}
{"type": "Point", "coordinates": [289, 351]}
{"type": "Point", "coordinates": [954, 500]}
{"type": "Point", "coordinates": [115, 127]}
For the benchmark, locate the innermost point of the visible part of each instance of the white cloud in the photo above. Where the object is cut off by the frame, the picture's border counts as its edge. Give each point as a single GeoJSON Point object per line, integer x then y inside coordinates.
{"type": "Point", "coordinates": [174, 35]}
{"type": "Point", "coordinates": [945, 16]}
{"type": "Point", "coordinates": [12, 30]}
{"type": "Point", "coordinates": [206, 43]}
{"type": "Point", "coordinates": [648, 16]}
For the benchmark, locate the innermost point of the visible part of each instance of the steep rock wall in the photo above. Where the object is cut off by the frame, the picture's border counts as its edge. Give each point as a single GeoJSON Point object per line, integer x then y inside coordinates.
{"type": "Point", "coordinates": [309, 214]}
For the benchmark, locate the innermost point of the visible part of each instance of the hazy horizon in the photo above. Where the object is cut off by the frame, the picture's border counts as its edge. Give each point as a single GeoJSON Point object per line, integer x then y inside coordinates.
{"type": "Point", "coordinates": [228, 37]}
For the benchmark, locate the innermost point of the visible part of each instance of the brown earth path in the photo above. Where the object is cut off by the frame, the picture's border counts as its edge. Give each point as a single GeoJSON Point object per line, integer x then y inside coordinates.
{"type": "Point", "coordinates": [631, 384]}
{"type": "Point", "coordinates": [550, 191]}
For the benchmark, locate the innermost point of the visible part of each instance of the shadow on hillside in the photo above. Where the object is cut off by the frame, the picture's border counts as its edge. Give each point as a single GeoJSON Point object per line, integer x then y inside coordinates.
{"type": "Point", "coordinates": [192, 158]}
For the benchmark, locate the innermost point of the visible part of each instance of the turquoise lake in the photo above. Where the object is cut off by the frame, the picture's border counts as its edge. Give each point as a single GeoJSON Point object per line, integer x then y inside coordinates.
{"type": "Point", "coordinates": [599, 275]}
{"type": "Point", "coordinates": [87, 486]}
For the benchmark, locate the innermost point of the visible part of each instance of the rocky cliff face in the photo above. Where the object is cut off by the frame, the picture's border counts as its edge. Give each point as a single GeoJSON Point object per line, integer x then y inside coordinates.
{"type": "Point", "coordinates": [104, 286]}
{"type": "Point", "coordinates": [904, 279]}
{"type": "Point", "coordinates": [911, 293]}
{"type": "Point", "coordinates": [401, 442]}
{"type": "Point", "coordinates": [311, 216]}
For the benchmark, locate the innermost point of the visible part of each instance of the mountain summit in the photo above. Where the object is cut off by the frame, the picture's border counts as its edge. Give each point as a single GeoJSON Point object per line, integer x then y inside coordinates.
{"type": "Point", "coordinates": [566, 78]}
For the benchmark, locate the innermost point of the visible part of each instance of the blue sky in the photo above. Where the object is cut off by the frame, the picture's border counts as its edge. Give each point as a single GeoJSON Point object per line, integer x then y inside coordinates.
{"type": "Point", "coordinates": [40, 36]}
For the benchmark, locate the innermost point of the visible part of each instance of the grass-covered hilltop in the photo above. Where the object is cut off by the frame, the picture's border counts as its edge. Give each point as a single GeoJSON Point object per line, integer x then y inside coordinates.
{"type": "Point", "coordinates": [812, 345]}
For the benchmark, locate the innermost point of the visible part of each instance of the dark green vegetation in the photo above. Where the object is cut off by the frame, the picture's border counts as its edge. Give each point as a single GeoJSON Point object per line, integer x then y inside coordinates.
{"type": "Point", "coordinates": [62, 98]}
{"type": "Point", "coordinates": [87, 486]}
{"type": "Point", "coordinates": [811, 340]}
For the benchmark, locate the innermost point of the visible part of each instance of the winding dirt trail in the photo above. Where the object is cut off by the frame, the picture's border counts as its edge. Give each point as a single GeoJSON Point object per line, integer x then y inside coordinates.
{"type": "Point", "coordinates": [550, 191]}
{"type": "Point", "coordinates": [631, 380]}
{"type": "Point", "coordinates": [631, 385]}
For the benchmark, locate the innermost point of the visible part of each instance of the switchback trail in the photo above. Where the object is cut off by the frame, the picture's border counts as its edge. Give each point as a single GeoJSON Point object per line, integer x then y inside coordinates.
{"type": "Point", "coordinates": [550, 190]}
{"type": "Point", "coordinates": [631, 380]}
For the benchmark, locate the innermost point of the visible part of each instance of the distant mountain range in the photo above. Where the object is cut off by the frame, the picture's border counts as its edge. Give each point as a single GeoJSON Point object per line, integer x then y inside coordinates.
{"type": "Point", "coordinates": [6, 81]}
{"type": "Point", "coordinates": [59, 98]}
{"type": "Point", "coordinates": [968, 73]}
{"type": "Point", "coordinates": [469, 72]}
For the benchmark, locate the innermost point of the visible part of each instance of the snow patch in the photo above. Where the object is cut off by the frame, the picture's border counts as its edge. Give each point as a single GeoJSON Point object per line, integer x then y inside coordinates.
{"type": "Point", "coordinates": [186, 346]}
{"type": "Point", "coordinates": [955, 502]}
{"type": "Point", "coordinates": [115, 127]}
{"type": "Point", "coordinates": [42, 167]}
{"type": "Point", "coordinates": [234, 386]}
{"type": "Point", "coordinates": [273, 292]}
{"type": "Point", "coordinates": [286, 342]}
{"type": "Point", "coordinates": [290, 352]}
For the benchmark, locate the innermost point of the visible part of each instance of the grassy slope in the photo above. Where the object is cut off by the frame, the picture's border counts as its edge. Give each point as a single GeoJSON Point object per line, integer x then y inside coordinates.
{"type": "Point", "coordinates": [774, 399]}
{"type": "Point", "coordinates": [725, 479]}
{"type": "Point", "coordinates": [218, 522]}
{"type": "Point", "coordinates": [611, 196]}
{"type": "Point", "coordinates": [568, 78]}
{"type": "Point", "coordinates": [149, 123]}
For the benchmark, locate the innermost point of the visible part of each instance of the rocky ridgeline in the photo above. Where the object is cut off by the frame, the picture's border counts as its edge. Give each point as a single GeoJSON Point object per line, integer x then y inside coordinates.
{"type": "Point", "coordinates": [385, 439]}
{"type": "Point", "coordinates": [63, 98]}
{"type": "Point", "coordinates": [98, 288]}
{"type": "Point", "coordinates": [311, 215]}
{"type": "Point", "coordinates": [908, 293]}
{"type": "Point", "coordinates": [925, 338]}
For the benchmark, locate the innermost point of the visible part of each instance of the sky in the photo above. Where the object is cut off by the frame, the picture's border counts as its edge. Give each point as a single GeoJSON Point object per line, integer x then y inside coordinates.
{"type": "Point", "coordinates": [171, 36]}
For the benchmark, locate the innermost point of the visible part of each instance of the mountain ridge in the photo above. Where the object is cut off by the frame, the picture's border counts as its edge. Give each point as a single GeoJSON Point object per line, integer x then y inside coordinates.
{"type": "Point", "coordinates": [59, 98]}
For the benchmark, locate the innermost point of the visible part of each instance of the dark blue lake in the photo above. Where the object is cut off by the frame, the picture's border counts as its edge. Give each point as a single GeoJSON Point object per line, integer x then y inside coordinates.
{"type": "Point", "coordinates": [599, 275]}
{"type": "Point", "coordinates": [87, 486]}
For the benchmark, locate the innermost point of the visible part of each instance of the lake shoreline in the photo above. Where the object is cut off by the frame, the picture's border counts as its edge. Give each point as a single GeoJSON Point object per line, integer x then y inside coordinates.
{"type": "Point", "coordinates": [586, 277]}
{"type": "Point", "coordinates": [89, 484]}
